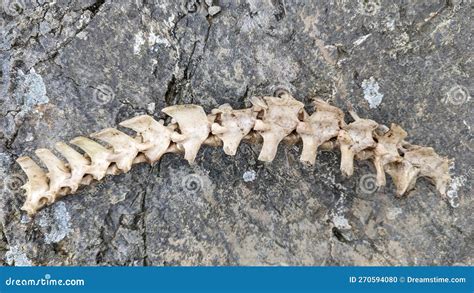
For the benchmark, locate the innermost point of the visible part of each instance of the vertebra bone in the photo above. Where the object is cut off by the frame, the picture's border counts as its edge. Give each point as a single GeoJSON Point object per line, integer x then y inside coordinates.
{"type": "Point", "coordinates": [273, 119]}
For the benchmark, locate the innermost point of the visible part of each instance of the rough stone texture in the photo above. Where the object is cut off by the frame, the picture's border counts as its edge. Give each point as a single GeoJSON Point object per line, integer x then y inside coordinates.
{"type": "Point", "coordinates": [74, 67]}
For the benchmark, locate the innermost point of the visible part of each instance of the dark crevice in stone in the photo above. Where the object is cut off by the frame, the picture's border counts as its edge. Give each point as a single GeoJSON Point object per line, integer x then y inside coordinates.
{"type": "Point", "coordinates": [144, 228]}
{"type": "Point", "coordinates": [170, 91]}
{"type": "Point", "coordinates": [338, 234]}
{"type": "Point", "coordinates": [280, 12]}
{"type": "Point", "coordinates": [244, 97]}
{"type": "Point", "coordinates": [94, 8]}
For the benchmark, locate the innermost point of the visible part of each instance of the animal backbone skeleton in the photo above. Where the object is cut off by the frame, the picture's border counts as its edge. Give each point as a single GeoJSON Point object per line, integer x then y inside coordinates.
{"type": "Point", "coordinates": [269, 121]}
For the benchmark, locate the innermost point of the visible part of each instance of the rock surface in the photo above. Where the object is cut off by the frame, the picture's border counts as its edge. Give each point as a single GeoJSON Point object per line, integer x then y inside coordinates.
{"type": "Point", "coordinates": [74, 67]}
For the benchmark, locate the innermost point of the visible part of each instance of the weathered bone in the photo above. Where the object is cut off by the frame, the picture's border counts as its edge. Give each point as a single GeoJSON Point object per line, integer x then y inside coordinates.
{"type": "Point", "coordinates": [125, 148]}
{"type": "Point", "coordinates": [37, 186]}
{"type": "Point", "coordinates": [431, 165]}
{"type": "Point", "coordinates": [403, 174]}
{"type": "Point", "coordinates": [153, 133]}
{"type": "Point", "coordinates": [354, 138]}
{"type": "Point", "coordinates": [77, 164]}
{"type": "Point", "coordinates": [233, 127]}
{"type": "Point", "coordinates": [386, 150]}
{"type": "Point", "coordinates": [58, 173]}
{"type": "Point", "coordinates": [280, 118]}
{"type": "Point", "coordinates": [98, 154]}
{"type": "Point", "coordinates": [194, 126]}
{"type": "Point", "coordinates": [271, 119]}
{"type": "Point", "coordinates": [319, 128]}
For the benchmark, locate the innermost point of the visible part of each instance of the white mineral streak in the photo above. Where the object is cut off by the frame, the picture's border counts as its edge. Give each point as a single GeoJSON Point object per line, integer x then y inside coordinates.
{"type": "Point", "coordinates": [249, 176]}
{"type": "Point", "coordinates": [371, 92]}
